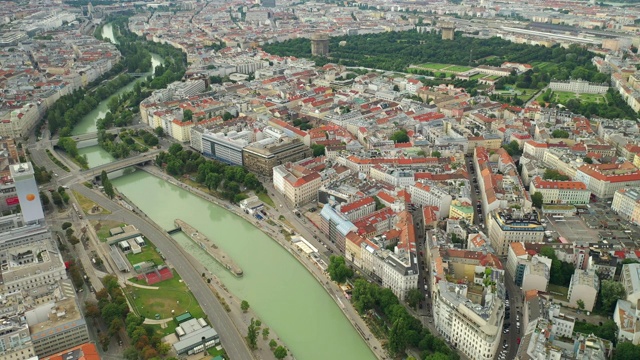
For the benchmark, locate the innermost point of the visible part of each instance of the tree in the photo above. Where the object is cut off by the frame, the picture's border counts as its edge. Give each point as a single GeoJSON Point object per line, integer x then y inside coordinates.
{"type": "Point", "coordinates": [610, 292]}
{"type": "Point", "coordinates": [159, 131]}
{"type": "Point", "coordinates": [318, 150]}
{"type": "Point", "coordinates": [398, 337]}
{"type": "Point", "coordinates": [252, 334]}
{"type": "Point", "coordinates": [280, 352]}
{"type": "Point", "coordinates": [587, 160]}
{"type": "Point", "coordinates": [91, 310]}
{"type": "Point", "coordinates": [174, 149]}
{"type": "Point", "coordinates": [108, 189]}
{"type": "Point", "coordinates": [244, 305]}
{"type": "Point", "coordinates": [187, 115]}
{"type": "Point", "coordinates": [560, 134]}
{"type": "Point", "coordinates": [227, 116]}
{"type": "Point", "coordinates": [580, 304]}
{"type": "Point", "coordinates": [57, 198]}
{"type": "Point", "coordinates": [537, 199]}
{"type": "Point", "coordinates": [338, 270]}
{"type": "Point", "coordinates": [379, 204]}
{"type": "Point", "coordinates": [436, 154]}
{"type": "Point", "coordinates": [115, 326]}
{"type": "Point", "coordinates": [273, 344]}
{"type": "Point", "coordinates": [512, 148]}
{"type": "Point", "coordinates": [104, 340]}
{"type": "Point", "coordinates": [66, 225]}
{"type": "Point", "coordinates": [627, 351]}
{"type": "Point", "coordinates": [44, 198]}
{"type": "Point", "coordinates": [130, 353]}
{"type": "Point", "coordinates": [550, 174]}
{"type": "Point", "coordinates": [110, 312]}
{"type": "Point", "coordinates": [265, 333]}
{"type": "Point", "coordinates": [400, 136]}
{"type": "Point", "coordinates": [414, 296]}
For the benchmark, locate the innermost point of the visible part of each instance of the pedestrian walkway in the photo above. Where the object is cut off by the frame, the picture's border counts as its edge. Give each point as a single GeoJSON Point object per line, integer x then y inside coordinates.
{"type": "Point", "coordinates": [127, 282]}
{"type": "Point", "coordinates": [161, 322]}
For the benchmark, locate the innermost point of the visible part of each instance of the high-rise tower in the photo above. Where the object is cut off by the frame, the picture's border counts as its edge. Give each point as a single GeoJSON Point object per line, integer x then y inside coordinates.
{"type": "Point", "coordinates": [320, 45]}
{"type": "Point", "coordinates": [27, 191]}
{"type": "Point", "coordinates": [448, 30]}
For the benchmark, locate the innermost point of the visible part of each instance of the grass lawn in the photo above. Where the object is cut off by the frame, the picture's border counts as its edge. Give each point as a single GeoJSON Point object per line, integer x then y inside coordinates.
{"type": "Point", "coordinates": [543, 65]}
{"type": "Point", "coordinates": [458, 68]}
{"type": "Point", "coordinates": [171, 295]}
{"type": "Point", "coordinates": [434, 66]}
{"type": "Point", "coordinates": [559, 292]}
{"type": "Point", "coordinates": [102, 228]}
{"type": "Point", "coordinates": [148, 253]}
{"type": "Point", "coordinates": [563, 96]}
{"type": "Point", "coordinates": [87, 204]}
{"type": "Point", "coordinates": [477, 76]}
{"type": "Point", "coordinates": [264, 197]}
{"type": "Point", "coordinates": [170, 329]}
{"type": "Point", "coordinates": [215, 352]}
{"type": "Point", "coordinates": [592, 98]}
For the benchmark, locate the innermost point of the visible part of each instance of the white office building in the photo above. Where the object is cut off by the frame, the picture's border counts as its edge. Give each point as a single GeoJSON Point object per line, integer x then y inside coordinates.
{"type": "Point", "coordinates": [226, 148]}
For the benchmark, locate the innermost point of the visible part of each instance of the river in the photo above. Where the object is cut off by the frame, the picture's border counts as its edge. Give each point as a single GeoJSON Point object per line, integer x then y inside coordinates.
{"type": "Point", "coordinates": [95, 154]}
{"type": "Point", "coordinates": [279, 289]}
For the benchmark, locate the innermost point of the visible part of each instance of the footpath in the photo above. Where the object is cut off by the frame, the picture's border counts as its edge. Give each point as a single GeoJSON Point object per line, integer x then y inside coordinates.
{"type": "Point", "coordinates": [274, 232]}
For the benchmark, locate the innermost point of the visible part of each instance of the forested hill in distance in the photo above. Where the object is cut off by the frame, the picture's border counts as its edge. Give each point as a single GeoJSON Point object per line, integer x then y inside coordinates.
{"type": "Point", "coordinates": [395, 51]}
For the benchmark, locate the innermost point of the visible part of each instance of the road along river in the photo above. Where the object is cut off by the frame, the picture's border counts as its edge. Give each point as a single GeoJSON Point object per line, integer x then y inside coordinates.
{"type": "Point", "coordinates": [278, 288]}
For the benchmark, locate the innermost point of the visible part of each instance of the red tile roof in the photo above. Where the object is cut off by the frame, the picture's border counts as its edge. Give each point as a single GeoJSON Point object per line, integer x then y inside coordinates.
{"type": "Point", "coordinates": [539, 183]}
{"type": "Point", "coordinates": [356, 204]}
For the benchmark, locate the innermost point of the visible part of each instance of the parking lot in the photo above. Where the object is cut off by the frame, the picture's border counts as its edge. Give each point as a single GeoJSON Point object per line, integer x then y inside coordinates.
{"type": "Point", "coordinates": [597, 223]}
{"type": "Point", "coordinates": [573, 229]}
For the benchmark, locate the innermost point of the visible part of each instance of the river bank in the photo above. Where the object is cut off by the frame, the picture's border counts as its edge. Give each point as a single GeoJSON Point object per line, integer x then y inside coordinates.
{"type": "Point", "coordinates": [241, 319]}
{"type": "Point", "coordinates": [332, 289]}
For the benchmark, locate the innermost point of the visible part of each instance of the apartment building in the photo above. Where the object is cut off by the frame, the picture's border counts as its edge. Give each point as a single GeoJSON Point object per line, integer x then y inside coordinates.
{"type": "Point", "coordinates": [18, 122]}
{"type": "Point", "coordinates": [428, 193]}
{"type": "Point", "coordinates": [359, 208]}
{"type": "Point", "coordinates": [626, 203]}
{"type": "Point", "coordinates": [561, 324]}
{"type": "Point", "coordinates": [461, 210]}
{"type": "Point", "coordinates": [584, 286]}
{"type": "Point", "coordinates": [298, 184]}
{"type": "Point", "coordinates": [562, 160]}
{"type": "Point", "coordinates": [630, 279]}
{"type": "Point", "coordinates": [469, 316]}
{"type": "Point", "coordinates": [627, 317]}
{"type": "Point", "coordinates": [560, 192]}
{"type": "Point", "coordinates": [529, 272]}
{"type": "Point", "coordinates": [603, 180]}
{"type": "Point", "coordinates": [335, 225]}
{"type": "Point", "coordinates": [506, 227]}
{"type": "Point", "coordinates": [15, 339]}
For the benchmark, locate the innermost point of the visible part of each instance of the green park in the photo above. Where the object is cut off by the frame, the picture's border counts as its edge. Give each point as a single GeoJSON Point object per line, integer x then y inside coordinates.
{"type": "Point", "coordinates": [169, 298]}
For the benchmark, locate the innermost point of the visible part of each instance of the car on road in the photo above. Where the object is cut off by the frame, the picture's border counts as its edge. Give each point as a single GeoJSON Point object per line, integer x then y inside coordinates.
{"type": "Point", "coordinates": [55, 174]}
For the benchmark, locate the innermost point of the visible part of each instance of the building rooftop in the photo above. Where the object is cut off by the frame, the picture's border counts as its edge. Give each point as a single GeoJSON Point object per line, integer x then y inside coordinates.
{"type": "Point", "coordinates": [86, 351]}
{"type": "Point", "coordinates": [54, 318]}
